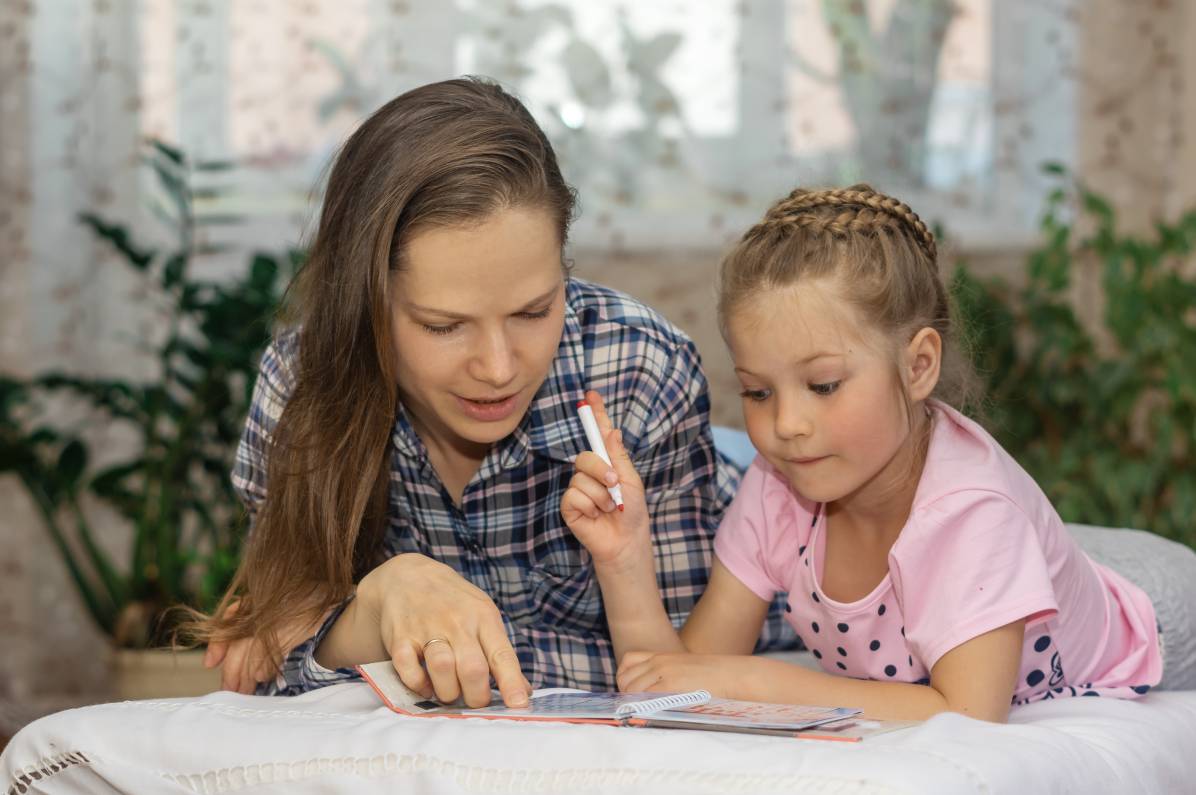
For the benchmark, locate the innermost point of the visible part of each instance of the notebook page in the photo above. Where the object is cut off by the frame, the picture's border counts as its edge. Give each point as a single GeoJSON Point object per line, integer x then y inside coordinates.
{"type": "Point", "coordinates": [750, 714]}
{"type": "Point", "coordinates": [577, 705]}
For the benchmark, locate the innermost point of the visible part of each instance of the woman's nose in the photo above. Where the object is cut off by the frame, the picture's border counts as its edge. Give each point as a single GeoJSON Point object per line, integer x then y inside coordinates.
{"type": "Point", "coordinates": [495, 362]}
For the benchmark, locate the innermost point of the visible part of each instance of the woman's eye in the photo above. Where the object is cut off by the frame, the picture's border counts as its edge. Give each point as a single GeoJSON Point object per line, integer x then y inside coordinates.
{"type": "Point", "coordinates": [829, 388]}
{"type": "Point", "coordinates": [755, 394]}
{"type": "Point", "coordinates": [449, 329]}
{"type": "Point", "coordinates": [540, 315]}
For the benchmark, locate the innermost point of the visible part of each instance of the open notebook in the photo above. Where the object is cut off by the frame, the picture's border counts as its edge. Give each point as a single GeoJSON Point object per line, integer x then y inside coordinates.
{"type": "Point", "coordinates": [695, 710]}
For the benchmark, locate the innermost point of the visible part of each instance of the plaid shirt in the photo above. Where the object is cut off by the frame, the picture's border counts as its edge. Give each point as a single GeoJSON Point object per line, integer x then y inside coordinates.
{"type": "Point", "coordinates": [507, 536]}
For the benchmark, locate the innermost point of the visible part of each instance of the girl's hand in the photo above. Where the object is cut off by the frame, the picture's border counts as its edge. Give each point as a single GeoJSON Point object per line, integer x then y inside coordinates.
{"type": "Point", "coordinates": [612, 537]}
{"type": "Point", "coordinates": [721, 674]}
{"type": "Point", "coordinates": [443, 634]}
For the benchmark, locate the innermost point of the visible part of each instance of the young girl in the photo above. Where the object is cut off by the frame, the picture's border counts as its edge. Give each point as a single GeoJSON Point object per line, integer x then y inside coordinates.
{"type": "Point", "coordinates": [914, 550]}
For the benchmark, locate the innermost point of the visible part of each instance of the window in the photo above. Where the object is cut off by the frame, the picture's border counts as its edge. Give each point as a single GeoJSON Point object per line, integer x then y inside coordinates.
{"type": "Point", "coordinates": [677, 122]}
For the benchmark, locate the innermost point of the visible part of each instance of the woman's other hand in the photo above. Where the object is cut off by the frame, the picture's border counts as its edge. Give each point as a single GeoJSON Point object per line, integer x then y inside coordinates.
{"type": "Point", "coordinates": [245, 662]}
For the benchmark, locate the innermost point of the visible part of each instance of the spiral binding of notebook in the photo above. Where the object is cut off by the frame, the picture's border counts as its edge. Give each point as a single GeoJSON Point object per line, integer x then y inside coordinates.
{"type": "Point", "coordinates": [663, 703]}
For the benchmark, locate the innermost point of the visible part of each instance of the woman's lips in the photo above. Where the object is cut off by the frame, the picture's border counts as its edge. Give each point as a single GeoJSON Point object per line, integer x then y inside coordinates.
{"type": "Point", "coordinates": [487, 409]}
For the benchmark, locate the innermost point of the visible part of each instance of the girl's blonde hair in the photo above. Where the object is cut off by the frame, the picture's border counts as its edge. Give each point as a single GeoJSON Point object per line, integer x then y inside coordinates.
{"type": "Point", "coordinates": [880, 255]}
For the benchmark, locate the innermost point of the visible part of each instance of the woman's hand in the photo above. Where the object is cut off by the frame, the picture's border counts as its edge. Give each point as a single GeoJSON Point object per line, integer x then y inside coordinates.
{"type": "Point", "coordinates": [614, 538]}
{"type": "Point", "coordinates": [444, 635]}
{"type": "Point", "coordinates": [244, 663]}
{"type": "Point", "coordinates": [721, 674]}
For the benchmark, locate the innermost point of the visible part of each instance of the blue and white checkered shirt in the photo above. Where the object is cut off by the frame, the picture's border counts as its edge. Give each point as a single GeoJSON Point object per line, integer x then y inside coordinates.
{"type": "Point", "coordinates": [507, 536]}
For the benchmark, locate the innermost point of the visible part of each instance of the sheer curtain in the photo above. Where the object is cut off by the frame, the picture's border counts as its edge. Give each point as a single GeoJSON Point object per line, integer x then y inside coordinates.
{"type": "Point", "coordinates": [677, 126]}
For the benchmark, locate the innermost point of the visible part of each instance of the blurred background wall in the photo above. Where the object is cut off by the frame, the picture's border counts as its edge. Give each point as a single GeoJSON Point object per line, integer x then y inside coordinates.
{"type": "Point", "coordinates": [677, 122]}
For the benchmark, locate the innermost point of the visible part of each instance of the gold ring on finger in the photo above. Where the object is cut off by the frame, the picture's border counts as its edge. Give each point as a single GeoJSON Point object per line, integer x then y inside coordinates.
{"type": "Point", "coordinates": [437, 639]}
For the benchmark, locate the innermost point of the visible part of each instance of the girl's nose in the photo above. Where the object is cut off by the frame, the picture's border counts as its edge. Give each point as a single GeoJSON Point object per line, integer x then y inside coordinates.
{"type": "Point", "coordinates": [790, 421]}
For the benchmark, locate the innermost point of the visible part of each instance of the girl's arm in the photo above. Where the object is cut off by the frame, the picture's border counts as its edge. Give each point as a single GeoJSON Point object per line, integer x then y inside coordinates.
{"type": "Point", "coordinates": [976, 678]}
{"type": "Point", "coordinates": [726, 620]}
{"type": "Point", "coordinates": [728, 617]}
{"type": "Point", "coordinates": [619, 542]}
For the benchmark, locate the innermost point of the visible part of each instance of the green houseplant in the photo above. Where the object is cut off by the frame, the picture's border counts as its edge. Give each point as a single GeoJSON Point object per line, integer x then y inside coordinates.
{"type": "Point", "coordinates": [1102, 413]}
{"type": "Point", "coordinates": [174, 492]}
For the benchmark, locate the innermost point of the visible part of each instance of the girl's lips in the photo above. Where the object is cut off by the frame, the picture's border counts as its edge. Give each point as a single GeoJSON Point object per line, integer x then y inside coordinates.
{"type": "Point", "coordinates": [813, 460]}
{"type": "Point", "coordinates": [487, 410]}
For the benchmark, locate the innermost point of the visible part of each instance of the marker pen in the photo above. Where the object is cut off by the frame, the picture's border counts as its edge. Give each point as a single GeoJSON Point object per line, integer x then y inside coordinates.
{"type": "Point", "coordinates": [594, 437]}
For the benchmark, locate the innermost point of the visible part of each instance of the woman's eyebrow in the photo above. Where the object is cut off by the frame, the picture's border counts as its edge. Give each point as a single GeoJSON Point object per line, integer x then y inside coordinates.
{"type": "Point", "coordinates": [458, 316]}
{"type": "Point", "coordinates": [539, 299]}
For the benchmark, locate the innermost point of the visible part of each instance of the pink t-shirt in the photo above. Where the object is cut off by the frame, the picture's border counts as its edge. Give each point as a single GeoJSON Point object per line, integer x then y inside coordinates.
{"type": "Point", "coordinates": [982, 548]}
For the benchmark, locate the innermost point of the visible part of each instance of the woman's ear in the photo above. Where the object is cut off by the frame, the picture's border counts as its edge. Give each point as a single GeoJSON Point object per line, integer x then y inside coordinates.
{"type": "Point", "coordinates": [923, 360]}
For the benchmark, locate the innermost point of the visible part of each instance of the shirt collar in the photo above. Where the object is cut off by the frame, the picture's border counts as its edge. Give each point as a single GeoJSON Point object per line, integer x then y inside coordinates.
{"type": "Point", "coordinates": [404, 437]}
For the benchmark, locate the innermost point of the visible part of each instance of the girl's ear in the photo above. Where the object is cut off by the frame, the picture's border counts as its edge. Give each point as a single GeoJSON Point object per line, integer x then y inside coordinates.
{"type": "Point", "coordinates": [923, 360]}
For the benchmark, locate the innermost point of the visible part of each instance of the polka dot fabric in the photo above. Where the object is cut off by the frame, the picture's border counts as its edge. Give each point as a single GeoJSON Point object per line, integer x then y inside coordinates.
{"type": "Point", "coordinates": [970, 559]}
{"type": "Point", "coordinates": [862, 639]}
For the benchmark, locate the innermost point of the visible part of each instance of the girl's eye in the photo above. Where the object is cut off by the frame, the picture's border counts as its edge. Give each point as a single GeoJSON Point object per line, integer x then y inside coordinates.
{"type": "Point", "coordinates": [449, 329]}
{"type": "Point", "coordinates": [828, 388]}
{"type": "Point", "coordinates": [540, 315]}
{"type": "Point", "coordinates": [755, 394]}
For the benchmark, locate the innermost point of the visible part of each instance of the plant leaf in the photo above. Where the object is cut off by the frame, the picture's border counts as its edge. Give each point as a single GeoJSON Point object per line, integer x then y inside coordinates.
{"type": "Point", "coordinates": [71, 463]}
{"type": "Point", "coordinates": [118, 236]}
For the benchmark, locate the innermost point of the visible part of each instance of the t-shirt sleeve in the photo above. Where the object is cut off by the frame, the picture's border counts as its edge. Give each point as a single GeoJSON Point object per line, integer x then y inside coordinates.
{"type": "Point", "coordinates": [744, 540]}
{"type": "Point", "coordinates": [971, 562]}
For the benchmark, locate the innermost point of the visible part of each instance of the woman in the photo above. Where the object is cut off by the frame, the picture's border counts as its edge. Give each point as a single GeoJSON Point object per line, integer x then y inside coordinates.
{"type": "Point", "coordinates": [412, 434]}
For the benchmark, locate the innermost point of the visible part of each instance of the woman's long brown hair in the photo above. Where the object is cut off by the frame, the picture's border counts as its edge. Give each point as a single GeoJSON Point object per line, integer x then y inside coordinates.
{"type": "Point", "coordinates": [444, 154]}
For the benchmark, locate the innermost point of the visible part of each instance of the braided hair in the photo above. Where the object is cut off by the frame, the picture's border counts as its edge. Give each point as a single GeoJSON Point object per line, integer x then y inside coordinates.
{"type": "Point", "coordinates": [858, 209]}
{"type": "Point", "coordinates": [879, 255]}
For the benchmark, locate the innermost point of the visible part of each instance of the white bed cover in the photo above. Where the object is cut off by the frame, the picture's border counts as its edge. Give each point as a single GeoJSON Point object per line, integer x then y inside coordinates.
{"type": "Point", "coordinates": [340, 739]}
